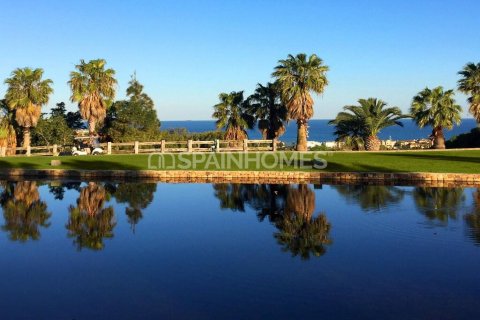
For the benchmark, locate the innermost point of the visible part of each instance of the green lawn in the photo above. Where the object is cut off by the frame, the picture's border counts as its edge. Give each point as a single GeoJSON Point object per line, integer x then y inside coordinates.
{"type": "Point", "coordinates": [418, 161]}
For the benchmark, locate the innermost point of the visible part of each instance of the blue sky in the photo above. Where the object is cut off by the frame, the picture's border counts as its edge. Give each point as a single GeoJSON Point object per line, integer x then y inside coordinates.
{"type": "Point", "coordinates": [187, 52]}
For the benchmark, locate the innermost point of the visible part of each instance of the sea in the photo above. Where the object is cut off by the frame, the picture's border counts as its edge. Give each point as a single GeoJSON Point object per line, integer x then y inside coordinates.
{"type": "Point", "coordinates": [321, 131]}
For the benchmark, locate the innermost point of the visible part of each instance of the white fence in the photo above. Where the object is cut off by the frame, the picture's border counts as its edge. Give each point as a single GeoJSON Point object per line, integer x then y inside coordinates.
{"type": "Point", "coordinates": [160, 146]}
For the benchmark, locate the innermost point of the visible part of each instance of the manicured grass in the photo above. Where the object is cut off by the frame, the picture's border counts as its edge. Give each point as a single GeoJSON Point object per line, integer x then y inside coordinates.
{"type": "Point", "coordinates": [417, 161]}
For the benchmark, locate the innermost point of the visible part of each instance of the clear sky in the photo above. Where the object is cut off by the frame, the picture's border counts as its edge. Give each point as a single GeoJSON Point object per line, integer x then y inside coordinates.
{"type": "Point", "coordinates": [187, 52]}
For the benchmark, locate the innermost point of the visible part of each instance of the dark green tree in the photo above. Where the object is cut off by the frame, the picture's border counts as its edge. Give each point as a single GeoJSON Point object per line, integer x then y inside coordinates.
{"type": "Point", "coordinates": [134, 119]}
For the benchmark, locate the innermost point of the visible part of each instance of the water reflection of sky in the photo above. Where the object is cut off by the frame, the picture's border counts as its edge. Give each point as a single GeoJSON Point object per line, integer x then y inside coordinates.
{"type": "Point", "coordinates": [395, 252]}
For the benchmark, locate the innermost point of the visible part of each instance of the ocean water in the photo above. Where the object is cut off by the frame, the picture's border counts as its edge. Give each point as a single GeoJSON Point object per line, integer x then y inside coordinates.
{"type": "Point", "coordinates": [320, 130]}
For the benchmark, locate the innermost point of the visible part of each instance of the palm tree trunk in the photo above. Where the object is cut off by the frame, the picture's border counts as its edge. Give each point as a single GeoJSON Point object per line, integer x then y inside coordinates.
{"type": "Point", "coordinates": [91, 129]}
{"type": "Point", "coordinates": [372, 143]}
{"type": "Point", "coordinates": [302, 135]}
{"type": "Point", "coordinates": [26, 137]}
{"type": "Point", "coordinates": [438, 138]}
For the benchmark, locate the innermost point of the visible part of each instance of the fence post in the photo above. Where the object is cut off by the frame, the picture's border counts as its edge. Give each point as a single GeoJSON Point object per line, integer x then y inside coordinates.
{"type": "Point", "coordinates": [136, 147]}
{"type": "Point", "coordinates": [217, 145]}
{"type": "Point", "coordinates": [162, 147]}
{"type": "Point", "coordinates": [190, 145]}
{"type": "Point", "coordinates": [3, 151]}
{"type": "Point", "coordinates": [54, 150]}
{"type": "Point", "coordinates": [245, 145]}
{"type": "Point", "coordinates": [109, 148]}
{"type": "Point", "coordinates": [29, 151]}
{"type": "Point", "coordinates": [274, 145]}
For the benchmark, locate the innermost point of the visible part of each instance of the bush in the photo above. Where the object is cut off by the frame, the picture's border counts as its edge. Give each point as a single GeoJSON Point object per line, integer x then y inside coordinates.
{"type": "Point", "coordinates": [465, 140]}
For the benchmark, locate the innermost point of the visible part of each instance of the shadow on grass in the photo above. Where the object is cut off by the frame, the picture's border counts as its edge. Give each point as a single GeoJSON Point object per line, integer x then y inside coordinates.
{"type": "Point", "coordinates": [434, 157]}
{"type": "Point", "coordinates": [19, 165]}
{"type": "Point", "coordinates": [100, 164]}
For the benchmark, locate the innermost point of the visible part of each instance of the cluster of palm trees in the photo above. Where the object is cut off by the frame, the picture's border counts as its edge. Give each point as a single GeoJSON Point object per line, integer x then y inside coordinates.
{"type": "Point", "coordinates": [272, 105]}
{"type": "Point", "coordinates": [358, 126]}
{"type": "Point", "coordinates": [289, 97]}
{"type": "Point", "coordinates": [92, 86]}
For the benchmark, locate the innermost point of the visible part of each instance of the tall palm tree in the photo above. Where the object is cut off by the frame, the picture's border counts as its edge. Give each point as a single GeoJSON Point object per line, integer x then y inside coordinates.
{"type": "Point", "coordinates": [436, 108]}
{"type": "Point", "coordinates": [26, 94]}
{"type": "Point", "coordinates": [93, 88]}
{"type": "Point", "coordinates": [298, 76]}
{"type": "Point", "coordinates": [266, 106]}
{"type": "Point", "coordinates": [367, 120]}
{"type": "Point", "coordinates": [231, 116]}
{"type": "Point", "coordinates": [8, 135]}
{"type": "Point", "coordinates": [470, 84]}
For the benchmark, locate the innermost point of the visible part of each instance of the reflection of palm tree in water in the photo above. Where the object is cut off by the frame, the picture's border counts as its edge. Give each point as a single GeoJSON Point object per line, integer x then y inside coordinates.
{"type": "Point", "coordinates": [89, 222]}
{"type": "Point", "coordinates": [473, 219]}
{"type": "Point", "coordinates": [232, 196]}
{"type": "Point", "coordinates": [23, 210]}
{"type": "Point", "coordinates": [371, 197]}
{"type": "Point", "coordinates": [439, 204]}
{"type": "Point", "coordinates": [289, 208]}
{"type": "Point", "coordinates": [299, 231]}
{"type": "Point", "coordinates": [137, 196]}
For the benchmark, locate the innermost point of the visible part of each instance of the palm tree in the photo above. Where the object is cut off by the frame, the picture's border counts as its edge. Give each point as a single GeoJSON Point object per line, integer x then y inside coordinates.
{"type": "Point", "coordinates": [231, 116]}
{"type": "Point", "coordinates": [297, 76]}
{"type": "Point", "coordinates": [436, 108]}
{"type": "Point", "coordinates": [470, 84]}
{"type": "Point", "coordinates": [349, 130]}
{"type": "Point", "coordinates": [367, 120]}
{"type": "Point", "coordinates": [266, 106]}
{"type": "Point", "coordinates": [93, 87]}
{"type": "Point", "coordinates": [8, 135]}
{"type": "Point", "coordinates": [26, 94]}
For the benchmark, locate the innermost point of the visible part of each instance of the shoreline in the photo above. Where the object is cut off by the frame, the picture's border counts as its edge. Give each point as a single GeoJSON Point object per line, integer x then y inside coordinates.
{"type": "Point", "coordinates": [270, 177]}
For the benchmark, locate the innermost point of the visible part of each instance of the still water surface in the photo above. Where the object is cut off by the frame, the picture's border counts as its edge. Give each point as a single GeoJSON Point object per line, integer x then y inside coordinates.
{"type": "Point", "coordinates": [104, 250]}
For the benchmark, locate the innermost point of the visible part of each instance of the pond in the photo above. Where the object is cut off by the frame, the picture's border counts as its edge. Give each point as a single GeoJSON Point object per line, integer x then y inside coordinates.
{"type": "Point", "coordinates": [98, 250]}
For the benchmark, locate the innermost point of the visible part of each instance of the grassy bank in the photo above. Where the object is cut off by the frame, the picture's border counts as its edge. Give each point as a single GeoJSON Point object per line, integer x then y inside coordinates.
{"type": "Point", "coordinates": [418, 161]}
